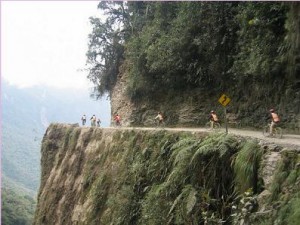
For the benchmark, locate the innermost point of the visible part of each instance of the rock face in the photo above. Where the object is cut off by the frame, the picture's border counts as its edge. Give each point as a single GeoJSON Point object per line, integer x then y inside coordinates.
{"type": "Point", "coordinates": [188, 109]}
{"type": "Point", "coordinates": [122, 176]}
{"type": "Point", "coordinates": [191, 108]}
{"type": "Point", "coordinates": [120, 102]}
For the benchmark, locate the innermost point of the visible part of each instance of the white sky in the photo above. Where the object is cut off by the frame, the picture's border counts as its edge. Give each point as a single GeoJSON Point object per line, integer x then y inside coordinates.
{"type": "Point", "coordinates": [45, 42]}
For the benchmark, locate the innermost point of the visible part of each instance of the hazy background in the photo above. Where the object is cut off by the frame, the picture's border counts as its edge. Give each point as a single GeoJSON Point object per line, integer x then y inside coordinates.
{"type": "Point", "coordinates": [43, 80]}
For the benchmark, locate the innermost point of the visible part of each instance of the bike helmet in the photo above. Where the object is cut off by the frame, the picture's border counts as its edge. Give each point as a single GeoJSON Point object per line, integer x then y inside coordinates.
{"type": "Point", "coordinates": [212, 111]}
{"type": "Point", "coordinates": [272, 110]}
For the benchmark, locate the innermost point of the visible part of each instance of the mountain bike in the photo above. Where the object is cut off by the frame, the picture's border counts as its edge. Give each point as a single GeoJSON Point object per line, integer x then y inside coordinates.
{"type": "Point", "coordinates": [117, 123]}
{"type": "Point", "coordinates": [277, 131]}
{"type": "Point", "coordinates": [158, 124]}
{"type": "Point", "coordinates": [217, 125]}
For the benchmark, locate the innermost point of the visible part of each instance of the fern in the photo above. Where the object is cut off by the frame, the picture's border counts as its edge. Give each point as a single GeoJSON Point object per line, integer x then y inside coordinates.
{"type": "Point", "coordinates": [178, 199]}
{"type": "Point", "coordinates": [226, 144]}
{"type": "Point", "coordinates": [191, 201]}
{"type": "Point", "coordinates": [184, 204]}
{"type": "Point", "coordinates": [214, 144]}
{"type": "Point", "coordinates": [246, 166]}
{"type": "Point", "coordinates": [184, 142]}
{"type": "Point", "coordinates": [184, 155]}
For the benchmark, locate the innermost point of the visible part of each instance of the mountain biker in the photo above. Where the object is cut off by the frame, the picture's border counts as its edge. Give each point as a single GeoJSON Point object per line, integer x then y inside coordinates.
{"type": "Point", "coordinates": [83, 119]}
{"type": "Point", "coordinates": [274, 120]}
{"type": "Point", "coordinates": [160, 118]}
{"type": "Point", "coordinates": [117, 118]}
{"type": "Point", "coordinates": [213, 118]}
{"type": "Point", "coordinates": [98, 122]}
{"type": "Point", "coordinates": [93, 121]}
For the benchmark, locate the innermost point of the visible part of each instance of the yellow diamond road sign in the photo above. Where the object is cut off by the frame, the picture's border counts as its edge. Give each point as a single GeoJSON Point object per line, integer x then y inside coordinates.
{"type": "Point", "coordinates": [224, 100]}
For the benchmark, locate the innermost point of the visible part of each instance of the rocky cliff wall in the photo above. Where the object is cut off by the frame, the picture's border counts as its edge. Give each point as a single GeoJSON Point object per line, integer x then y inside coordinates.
{"type": "Point", "coordinates": [249, 105]}
{"type": "Point", "coordinates": [121, 176]}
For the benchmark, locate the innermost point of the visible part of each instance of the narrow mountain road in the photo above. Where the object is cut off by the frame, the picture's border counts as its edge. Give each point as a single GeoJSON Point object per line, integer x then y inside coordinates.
{"type": "Point", "coordinates": [289, 140]}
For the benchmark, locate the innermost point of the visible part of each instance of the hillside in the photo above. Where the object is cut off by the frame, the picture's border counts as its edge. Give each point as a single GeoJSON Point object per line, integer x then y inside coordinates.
{"type": "Point", "coordinates": [180, 57]}
{"type": "Point", "coordinates": [26, 113]}
{"type": "Point", "coordinates": [135, 176]}
{"type": "Point", "coordinates": [25, 116]}
{"type": "Point", "coordinates": [18, 206]}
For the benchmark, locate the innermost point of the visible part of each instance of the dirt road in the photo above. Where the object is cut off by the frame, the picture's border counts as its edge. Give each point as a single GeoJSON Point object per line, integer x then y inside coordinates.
{"type": "Point", "coordinates": [290, 140]}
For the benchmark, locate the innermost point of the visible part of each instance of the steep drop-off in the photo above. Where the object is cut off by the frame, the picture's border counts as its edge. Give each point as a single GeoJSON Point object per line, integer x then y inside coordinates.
{"type": "Point", "coordinates": [114, 176]}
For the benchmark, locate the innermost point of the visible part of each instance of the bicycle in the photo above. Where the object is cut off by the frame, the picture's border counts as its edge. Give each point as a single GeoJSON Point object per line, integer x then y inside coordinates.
{"type": "Point", "coordinates": [216, 126]}
{"type": "Point", "coordinates": [159, 124]}
{"type": "Point", "coordinates": [277, 131]}
{"type": "Point", "coordinates": [117, 124]}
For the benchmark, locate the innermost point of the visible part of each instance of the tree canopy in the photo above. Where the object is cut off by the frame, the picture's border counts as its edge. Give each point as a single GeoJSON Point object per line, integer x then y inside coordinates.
{"type": "Point", "coordinates": [181, 45]}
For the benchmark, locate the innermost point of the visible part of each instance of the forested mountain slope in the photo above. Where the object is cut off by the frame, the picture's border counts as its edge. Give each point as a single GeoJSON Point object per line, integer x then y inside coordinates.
{"type": "Point", "coordinates": [180, 57]}
{"type": "Point", "coordinates": [18, 206]}
{"type": "Point", "coordinates": [26, 113]}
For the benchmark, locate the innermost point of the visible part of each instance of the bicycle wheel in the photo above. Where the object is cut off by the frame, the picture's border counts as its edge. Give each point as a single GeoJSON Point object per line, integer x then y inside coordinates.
{"type": "Point", "coordinates": [266, 131]}
{"type": "Point", "coordinates": [207, 125]}
{"type": "Point", "coordinates": [217, 125]}
{"type": "Point", "coordinates": [278, 132]}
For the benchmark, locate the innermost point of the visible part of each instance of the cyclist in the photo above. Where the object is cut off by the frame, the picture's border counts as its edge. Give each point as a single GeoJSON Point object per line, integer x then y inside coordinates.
{"type": "Point", "coordinates": [98, 122]}
{"type": "Point", "coordinates": [83, 119]}
{"type": "Point", "coordinates": [93, 121]}
{"type": "Point", "coordinates": [117, 118]}
{"type": "Point", "coordinates": [160, 118]}
{"type": "Point", "coordinates": [274, 120]}
{"type": "Point", "coordinates": [213, 119]}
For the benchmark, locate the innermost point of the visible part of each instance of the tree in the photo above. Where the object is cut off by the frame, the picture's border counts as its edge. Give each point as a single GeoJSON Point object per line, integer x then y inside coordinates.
{"type": "Point", "coordinates": [106, 46]}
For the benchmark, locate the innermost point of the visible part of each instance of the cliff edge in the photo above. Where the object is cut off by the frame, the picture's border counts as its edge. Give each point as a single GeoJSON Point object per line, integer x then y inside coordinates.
{"type": "Point", "coordinates": [115, 176]}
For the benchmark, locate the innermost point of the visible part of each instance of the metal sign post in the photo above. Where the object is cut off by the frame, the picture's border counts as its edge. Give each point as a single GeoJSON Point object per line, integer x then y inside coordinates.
{"type": "Point", "coordinates": [224, 101]}
{"type": "Point", "coordinates": [226, 127]}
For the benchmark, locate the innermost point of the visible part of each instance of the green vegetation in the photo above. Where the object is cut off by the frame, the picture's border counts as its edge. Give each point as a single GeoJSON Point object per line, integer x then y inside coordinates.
{"type": "Point", "coordinates": [285, 192]}
{"type": "Point", "coordinates": [17, 207]}
{"type": "Point", "coordinates": [172, 51]}
{"type": "Point", "coordinates": [290, 213]}
{"type": "Point", "coordinates": [161, 177]}
{"type": "Point", "coordinates": [246, 165]}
